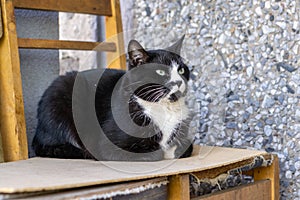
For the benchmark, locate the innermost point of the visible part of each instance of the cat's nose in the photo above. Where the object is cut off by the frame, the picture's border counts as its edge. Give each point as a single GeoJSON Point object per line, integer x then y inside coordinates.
{"type": "Point", "coordinates": [174, 83]}
{"type": "Point", "coordinates": [178, 83]}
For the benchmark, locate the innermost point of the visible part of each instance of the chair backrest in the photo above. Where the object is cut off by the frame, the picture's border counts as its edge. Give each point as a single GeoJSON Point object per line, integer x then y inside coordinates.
{"type": "Point", "coordinates": [12, 120]}
{"type": "Point", "coordinates": [109, 8]}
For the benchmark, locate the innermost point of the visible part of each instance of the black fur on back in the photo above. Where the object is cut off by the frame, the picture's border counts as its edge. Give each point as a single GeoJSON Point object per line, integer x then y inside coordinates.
{"type": "Point", "coordinates": [56, 134]}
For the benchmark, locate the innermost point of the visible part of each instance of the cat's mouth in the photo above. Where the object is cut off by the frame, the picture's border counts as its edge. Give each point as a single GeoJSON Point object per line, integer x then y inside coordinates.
{"type": "Point", "coordinates": [175, 96]}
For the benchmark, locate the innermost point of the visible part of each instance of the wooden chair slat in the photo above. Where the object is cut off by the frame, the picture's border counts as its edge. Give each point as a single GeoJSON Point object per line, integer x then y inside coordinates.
{"type": "Point", "coordinates": [29, 43]}
{"type": "Point", "coordinates": [96, 7]}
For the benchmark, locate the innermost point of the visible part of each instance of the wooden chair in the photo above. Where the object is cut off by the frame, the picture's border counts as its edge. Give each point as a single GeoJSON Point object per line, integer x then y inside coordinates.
{"type": "Point", "coordinates": [12, 120]}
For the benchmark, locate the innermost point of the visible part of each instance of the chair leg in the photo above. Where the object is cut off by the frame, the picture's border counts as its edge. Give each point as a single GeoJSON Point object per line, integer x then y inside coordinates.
{"type": "Point", "coordinates": [179, 187]}
{"type": "Point", "coordinates": [272, 173]}
{"type": "Point", "coordinates": [12, 120]}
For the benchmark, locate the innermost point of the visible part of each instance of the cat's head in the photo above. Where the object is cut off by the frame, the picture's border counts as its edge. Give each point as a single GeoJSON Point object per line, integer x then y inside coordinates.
{"type": "Point", "coordinates": [166, 68]}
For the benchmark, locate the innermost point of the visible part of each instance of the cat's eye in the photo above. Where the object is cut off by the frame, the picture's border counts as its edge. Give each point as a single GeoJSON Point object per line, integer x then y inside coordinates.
{"type": "Point", "coordinates": [181, 71]}
{"type": "Point", "coordinates": [160, 72]}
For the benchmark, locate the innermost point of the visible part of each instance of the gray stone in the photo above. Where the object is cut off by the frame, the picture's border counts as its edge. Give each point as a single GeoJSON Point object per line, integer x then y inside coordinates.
{"type": "Point", "coordinates": [233, 97]}
{"type": "Point", "coordinates": [288, 174]}
{"type": "Point", "coordinates": [297, 165]}
{"type": "Point", "coordinates": [281, 98]}
{"type": "Point", "coordinates": [231, 125]}
{"type": "Point", "coordinates": [266, 29]}
{"type": "Point", "coordinates": [204, 112]}
{"type": "Point", "coordinates": [290, 89]}
{"type": "Point", "coordinates": [249, 110]}
{"type": "Point", "coordinates": [268, 102]}
{"type": "Point", "coordinates": [245, 127]}
{"type": "Point", "coordinates": [291, 133]}
{"type": "Point", "coordinates": [259, 124]}
{"type": "Point", "coordinates": [286, 66]}
{"type": "Point", "coordinates": [239, 142]}
{"type": "Point", "coordinates": [258, 11]}
{"type": "Point", "coordinates": [246, 116]}
{"type": "Point", "coordinates": [297, 113]}
{"type": "Point", "coordinates": [249, 71]}
{"type": "Point", "coordinates": [268, 130]}
{"type": "Point", "coordinates": [204, 128]}
{"type": "Point", "coordinates": [269, 121]}
{"type": "Point", "coordinates": [282, 25]}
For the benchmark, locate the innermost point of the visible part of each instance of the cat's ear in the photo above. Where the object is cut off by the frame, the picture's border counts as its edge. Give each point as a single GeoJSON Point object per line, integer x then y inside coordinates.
{"type": "Point", "coordinates": [176, 48]}
{"type": "Point", "coordinates": [137, 54]}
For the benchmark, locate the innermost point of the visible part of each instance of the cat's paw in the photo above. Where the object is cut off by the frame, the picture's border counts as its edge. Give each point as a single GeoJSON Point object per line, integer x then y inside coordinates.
{"type": "Point", "coordinates": [170, 153]}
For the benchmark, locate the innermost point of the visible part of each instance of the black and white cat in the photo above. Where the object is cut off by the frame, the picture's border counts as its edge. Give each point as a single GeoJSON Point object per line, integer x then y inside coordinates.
{"type": "Point", "coordinates": [158, 104]}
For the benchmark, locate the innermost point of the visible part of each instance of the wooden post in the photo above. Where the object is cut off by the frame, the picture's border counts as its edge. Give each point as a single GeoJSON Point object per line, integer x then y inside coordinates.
{"type": "Point", "coordinates": [179, 187]}
{"type": "Point", "coordinates": [12, 120]}
{"type": "Point", "coordinates": [1, 27]}
{"type": "Point", "coordinates": [272, 173]}
{"type": "Point", "coordinates": [114, 33]}
{"type": "Point", "coordinates": [1, 151]}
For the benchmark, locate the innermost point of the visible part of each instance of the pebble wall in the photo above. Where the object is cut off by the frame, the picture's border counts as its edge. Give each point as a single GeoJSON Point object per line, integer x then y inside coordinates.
{"type": "Point", "coordinates": [245, 86]}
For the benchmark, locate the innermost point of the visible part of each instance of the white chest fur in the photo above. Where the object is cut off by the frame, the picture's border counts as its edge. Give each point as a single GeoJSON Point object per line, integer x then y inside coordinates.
{"type": "Point", "coordinates": [166, 116]}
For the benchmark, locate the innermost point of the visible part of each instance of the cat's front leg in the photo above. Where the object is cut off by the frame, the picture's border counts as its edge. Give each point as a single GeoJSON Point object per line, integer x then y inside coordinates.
{"type": "Point", "coordinates": [188, 152]}
{"type": "Point", "coordinates": [178, 152]}
{"type": "Point", "coordinates": [170, 152]}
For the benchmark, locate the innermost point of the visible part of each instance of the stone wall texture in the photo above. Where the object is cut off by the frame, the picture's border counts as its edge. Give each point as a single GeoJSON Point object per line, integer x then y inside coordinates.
{"type": "Point", "coordinates": [245, 86]}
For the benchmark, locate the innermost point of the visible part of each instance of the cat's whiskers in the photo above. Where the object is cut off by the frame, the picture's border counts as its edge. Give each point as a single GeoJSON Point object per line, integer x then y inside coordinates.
{"type": "Point", "coordinates": [147, 92]}
{"type": "Point", "coordinates": [159, 97]}
{"type": "Point", "coordinates": [147, 95]}
{"type": "Point", "coordinates": [150, 86]}
{"type": "Point", "coordinates": [153, 91]}
{"type": "Point", "coordinates": [144, 122]}
{"type": "Point", "coordinates": [138, 114]}
{"type": "Point", "coordinates": [155, 94]}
